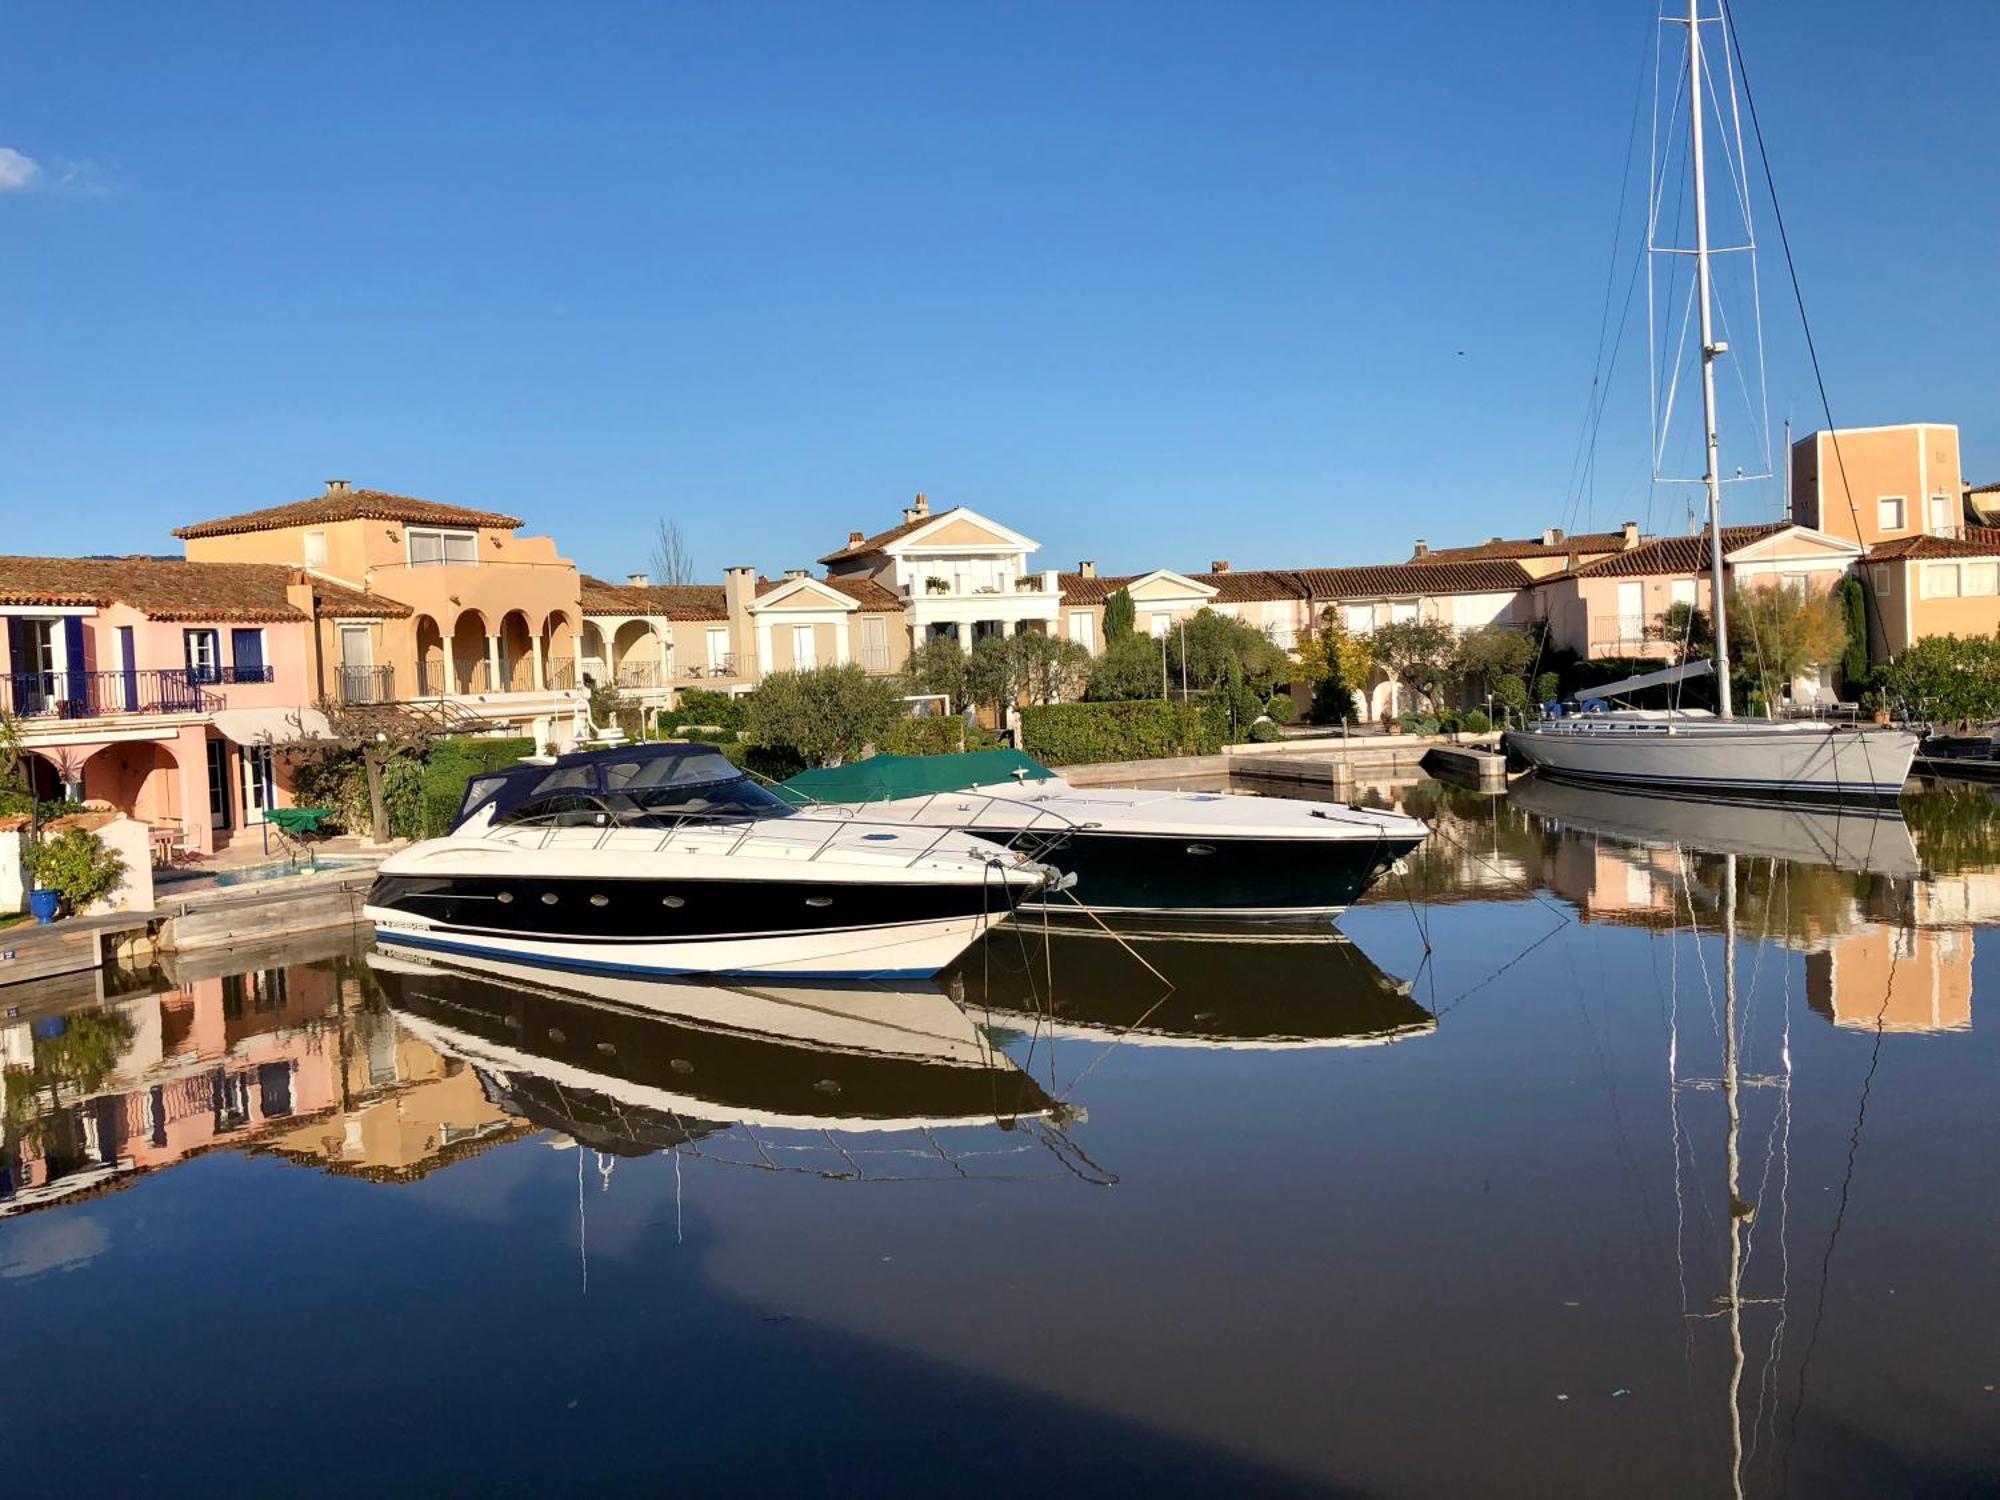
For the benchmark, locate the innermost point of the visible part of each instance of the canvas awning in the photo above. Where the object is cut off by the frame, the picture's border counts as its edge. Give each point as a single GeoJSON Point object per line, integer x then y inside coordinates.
{"type": "Point", "coordinates": [271, 726]}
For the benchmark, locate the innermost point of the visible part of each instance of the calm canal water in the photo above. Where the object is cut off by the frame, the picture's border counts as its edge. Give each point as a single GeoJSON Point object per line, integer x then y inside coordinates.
{"type": "Point", "coordinates": [1518, 1189]}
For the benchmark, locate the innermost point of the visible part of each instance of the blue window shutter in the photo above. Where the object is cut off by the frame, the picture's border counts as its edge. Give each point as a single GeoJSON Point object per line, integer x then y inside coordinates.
{"type": "Point", "coordinates": [128, 664]}
{"type": "Point", "coordinates": [19, 689]}
{"type": "Point", "coordinates": [79, 683]}
{"type": "Point", "coordinates": [246, 652]}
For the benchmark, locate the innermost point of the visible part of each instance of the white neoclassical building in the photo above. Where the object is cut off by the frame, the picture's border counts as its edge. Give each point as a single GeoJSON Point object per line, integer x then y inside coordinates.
{"type": "Point", "coordinates": [955, 573]}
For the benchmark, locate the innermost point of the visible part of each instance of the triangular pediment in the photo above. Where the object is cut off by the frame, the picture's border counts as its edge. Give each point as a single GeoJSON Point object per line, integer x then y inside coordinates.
{"type": "Point", "coordinates": [1163, 584]}
{"type": "Point", "coordinates": [961, 528]}
{"type": "Point", "coordinates": [1795, 542]}
{"type": "Point", "coordinates": [803, 594]}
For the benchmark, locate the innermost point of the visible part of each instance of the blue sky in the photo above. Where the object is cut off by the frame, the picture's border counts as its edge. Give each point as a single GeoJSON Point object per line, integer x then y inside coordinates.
{"type": "Point", "coordinates": [1157, 283]}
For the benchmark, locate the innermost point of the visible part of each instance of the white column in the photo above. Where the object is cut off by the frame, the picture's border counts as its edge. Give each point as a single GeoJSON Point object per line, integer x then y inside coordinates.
{"type": "Point", "coordinates": [541, 667]}
{"type": "Point", "coordinates": [764, 652]}
{"type": "Point", "coordinates": [841, 625]}
{"type": "Point", "coordinates": [494, 682]}
{"type": "Point", "coordinates": [1007, 627]}
{"type": "Point", "coordinates": [665, 631]}
{"type": "Point", "coordinates": [964, 633]}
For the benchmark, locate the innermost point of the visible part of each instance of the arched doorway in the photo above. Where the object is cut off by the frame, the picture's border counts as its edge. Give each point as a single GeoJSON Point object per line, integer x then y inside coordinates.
{"type": "Point", "coordinates": [141, 779]}
{"type": "Point", "coordinates": [635, 655]}
{"type": "Point", "coordinates": [594, 666]}
{"type": "Point", "coordinates": [558, 651]}
{"type": "Point", "coordinates": [430, 658]}
{"type": "Point", "coordinates": [517, 653]}
{"type": "Point", "coordinates": [468, 653]}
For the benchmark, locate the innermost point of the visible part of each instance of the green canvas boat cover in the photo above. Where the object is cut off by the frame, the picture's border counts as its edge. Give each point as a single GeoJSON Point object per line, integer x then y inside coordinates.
{"type": "Point", "coordinates": [298, 820]}
{"type": "Point", "coordinates": [881, 777]}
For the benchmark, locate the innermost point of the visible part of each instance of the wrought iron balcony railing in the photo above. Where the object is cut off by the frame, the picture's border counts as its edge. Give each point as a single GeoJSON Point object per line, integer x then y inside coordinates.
{"type": "Point", "coordinates": [90, 695]}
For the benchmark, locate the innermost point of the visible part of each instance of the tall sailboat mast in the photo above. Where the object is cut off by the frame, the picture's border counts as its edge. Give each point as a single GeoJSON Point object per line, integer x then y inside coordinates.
{"type": "Point", "coordinates": [1710, 352]}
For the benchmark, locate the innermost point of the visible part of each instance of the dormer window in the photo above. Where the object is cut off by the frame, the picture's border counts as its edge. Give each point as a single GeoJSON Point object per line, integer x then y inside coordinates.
{"type": "Point", "coordinates": [430, 548]}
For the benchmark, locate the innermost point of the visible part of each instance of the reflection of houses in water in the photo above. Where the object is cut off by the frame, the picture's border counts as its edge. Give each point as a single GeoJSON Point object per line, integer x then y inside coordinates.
{"type": "Point", "coordinates": [1884, 943]}
{"type": "Point", "coordinates": [1897, 978]}
{"type": "Point", "coordinates": [291, 1056]}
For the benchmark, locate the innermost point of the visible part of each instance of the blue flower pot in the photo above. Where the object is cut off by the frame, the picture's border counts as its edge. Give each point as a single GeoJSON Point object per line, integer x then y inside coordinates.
{"type": "Point", "coordinates": [43, 904]}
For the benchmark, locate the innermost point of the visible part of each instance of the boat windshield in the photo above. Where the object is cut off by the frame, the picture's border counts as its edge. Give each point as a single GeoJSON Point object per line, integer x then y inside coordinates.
{"type": "Point", "coordinates": [645, 790]}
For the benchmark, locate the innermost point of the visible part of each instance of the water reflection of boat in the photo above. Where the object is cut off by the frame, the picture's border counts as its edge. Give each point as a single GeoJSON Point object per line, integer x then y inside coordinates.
{"type": "Point", "coordinates": [1310, 992]}
{"type": "Point", "coordinates": [1851, 837]}
{"type": "Point", "coordinates": [651, 1064]}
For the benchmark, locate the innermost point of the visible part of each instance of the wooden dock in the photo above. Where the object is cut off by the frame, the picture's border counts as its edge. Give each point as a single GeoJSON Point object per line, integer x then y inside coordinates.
{"type": "Point", "coordinates": [34, 951]}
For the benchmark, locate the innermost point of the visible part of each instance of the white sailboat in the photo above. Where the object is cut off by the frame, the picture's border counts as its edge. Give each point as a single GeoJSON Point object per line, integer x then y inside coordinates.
{"type": "Point", "coordinates": [1690, 749]}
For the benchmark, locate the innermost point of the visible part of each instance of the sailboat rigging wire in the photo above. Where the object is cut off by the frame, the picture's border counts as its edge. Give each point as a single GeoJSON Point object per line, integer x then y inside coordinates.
{"type": "Point", "coordinates": [1742, 72]}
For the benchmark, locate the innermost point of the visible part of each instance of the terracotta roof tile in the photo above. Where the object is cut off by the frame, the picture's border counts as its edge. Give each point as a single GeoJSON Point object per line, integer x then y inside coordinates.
{"type": "Point", "coordinates": [866, 592]}
{"type": "Point", "coordinates": [671, 601]}
{"type": "Point", "coordinates": [1978, 541]}
{"type": "Point", "coordinates": [1531, 546]}
{"type": "Point", "coordinates": [1983, 489]}
{"type": "Point", "coordinates": [1077, 589]}
{"type": "Point", "coordinates": [1389, 580]}
{"type": "Point", "coordinates": [881, 539]}
{"type": "Point", "coordinates": [337, 599]}
{"type": "Point", "coordinates": [177, 590]}
{"type": "Point", "coordinates": [349, 505]}
{"type": "Point", "coordinates": [1385, 580]}
{"type": "Point", "coordinates": [1672, 554]}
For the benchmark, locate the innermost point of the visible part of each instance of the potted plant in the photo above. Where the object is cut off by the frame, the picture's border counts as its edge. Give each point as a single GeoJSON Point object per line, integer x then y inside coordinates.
{"type": "Point", "coordinates": [937, 585]}
{"type": "Point", "coordinates": [70, 871]}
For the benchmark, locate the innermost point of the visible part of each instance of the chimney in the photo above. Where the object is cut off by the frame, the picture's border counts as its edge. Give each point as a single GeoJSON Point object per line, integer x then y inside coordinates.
{"type": "Point", "coordinates": [1552, 536]}
{"type": "Point", "coordinates": [1631, 530]}
{"type": "Point", "coordinates": [1423, 548]}
{"type": "Point", "coordinates": [636, 580]}
{"type": "Point", "coordinates": [1086, 569]}
{"type": "Point", "coordinates": [791, 573]}
{"type": "Point", "coordinates": [855, 539]}
{"type": "Point", "coordinates": [1220, 565]}
{"type": "Point", "coordinates": [917, 511]}
{"type": "Point", "coordinates": [336, 486]}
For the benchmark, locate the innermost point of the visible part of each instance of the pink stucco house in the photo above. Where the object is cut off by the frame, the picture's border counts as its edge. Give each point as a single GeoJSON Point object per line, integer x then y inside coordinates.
{"type": "Point", "coordinates": [158, 686]}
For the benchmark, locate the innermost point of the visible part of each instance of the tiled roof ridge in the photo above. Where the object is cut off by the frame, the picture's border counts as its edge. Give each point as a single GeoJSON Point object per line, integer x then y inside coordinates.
{"type": "Point", "coordinates": [349, 505]}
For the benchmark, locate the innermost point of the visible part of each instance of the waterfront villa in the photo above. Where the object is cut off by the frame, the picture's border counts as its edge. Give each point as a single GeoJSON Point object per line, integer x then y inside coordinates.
{"type": "Point", "coordinates": [157, 687]}
{"type": "Point", "coordinates": [473, 612]}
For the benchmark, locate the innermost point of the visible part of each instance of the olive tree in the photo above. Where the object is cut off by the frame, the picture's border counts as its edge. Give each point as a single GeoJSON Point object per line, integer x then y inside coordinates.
{"type": "Point", "coordinates": [824, 715]}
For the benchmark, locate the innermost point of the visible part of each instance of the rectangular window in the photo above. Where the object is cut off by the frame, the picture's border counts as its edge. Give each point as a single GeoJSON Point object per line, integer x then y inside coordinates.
{"type": "Point", "coordinates": [1083, 629]}
{"type": "Point", "coordinates": [1882, 578]}
{"type": "Point", "coordinates": [259, 782]}
{"type": "Point", "coordinates": [1681, 591]}
{"type": "Point", "coordinates": [315, 549]}
{"type": "Point", "coordinates": [246, 656]}
{"type": "Point", "coordinates": [718, 650]}
{"type": "Point", "coordinates": [443, 548]}
{"type": "Point", "coordinates": [1941, 580]}
{"type": "Point", "coordinates": [803, 654]}
{"type": "Point", "coordinates": [204, 655]}
{"type": "Point", "coordinates": [1159, 625]}
{"type": "Point", "coordinates": [1889, 513]}
{"type": "Point", "coordinates": [875, 643]}
{"type": "Point", "coordinates": [1940, 517]}
{"type": "Point", "coordinates": [1980, 580]}
{"type": "Point", "coordinates": [1402, 614]}
{"type": "Point", "coordinates": [1359, 618]}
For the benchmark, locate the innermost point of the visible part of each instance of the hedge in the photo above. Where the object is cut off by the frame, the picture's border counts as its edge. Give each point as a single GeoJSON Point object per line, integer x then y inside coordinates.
{"type": "Point", "coordinates": [1065, 734]}
{"type": "Point", "coordinates": [450, 764]}
{"type": "Point", "coordinates": [935, 734]}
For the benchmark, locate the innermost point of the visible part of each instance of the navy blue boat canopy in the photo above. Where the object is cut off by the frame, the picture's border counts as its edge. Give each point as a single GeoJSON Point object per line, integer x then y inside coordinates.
{"type": "Point", "coordinates": [627, 780]}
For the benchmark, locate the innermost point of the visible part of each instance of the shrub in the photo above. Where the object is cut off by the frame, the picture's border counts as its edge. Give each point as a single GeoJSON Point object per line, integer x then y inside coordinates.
{"type": "Point", "coordinates": [1264, 732]}
{"type": "Point", "coordinates": [1283, 708]}
{"type": "Point", "coordinates": [1333, 701]}
{"type": "Point", "coordinates": [441, 784]}
{"type": "Point", "coordinates": [1414, 723]}
{"type": "Point", "coordinates": [1129, 669]}
{"type": "Point", "coordinates": [935, 734]}
{"type": "Point", "coordinates": [1474, 721]}
{"type": "Point", "coordinates": [1074, 733]}
{"type": "Point", "coordinates": [77, 866]}
{"type": "Point", "coordinates": [1510, 695]}
{"type": "Point", "coordinates": [1548, 688]}
{"type": "Point", "coordinates": [706, 708]}
{"type": "Point", "coordinates": [825, 715]}
{"type": "Point", "coordinates": [1943, 679]}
